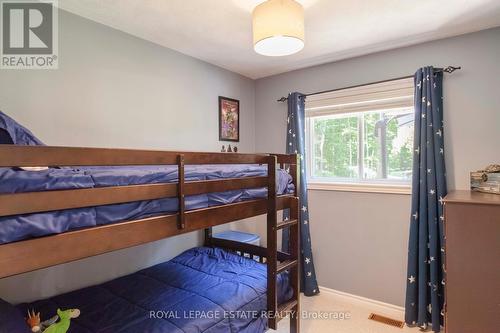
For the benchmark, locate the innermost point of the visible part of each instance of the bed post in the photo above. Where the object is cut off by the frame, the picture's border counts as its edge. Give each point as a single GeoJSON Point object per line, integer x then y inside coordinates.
{"type": "Point", "coordinates": [295, 253]}
{"type": "Point", "coordinates": [292, 263]}
{"type": "Point", "coordinates": [208, 237]}
{"type": "Point", "coordinates": [272, 243]}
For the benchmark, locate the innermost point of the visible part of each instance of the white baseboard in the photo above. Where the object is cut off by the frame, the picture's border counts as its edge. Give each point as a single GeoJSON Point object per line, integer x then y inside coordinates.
{"type": "Point", "coordinates": [377, 306]}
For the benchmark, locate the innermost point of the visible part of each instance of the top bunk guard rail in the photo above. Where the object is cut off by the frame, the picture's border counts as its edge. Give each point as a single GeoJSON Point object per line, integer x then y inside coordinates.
{"type": "Point", "coordinates": [16, 203]}
{"type": "Point", "coordinates": [32, 156]}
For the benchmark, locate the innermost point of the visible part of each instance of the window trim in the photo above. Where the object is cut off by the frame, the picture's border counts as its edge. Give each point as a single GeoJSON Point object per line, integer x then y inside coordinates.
{"type": "Point", "coordinates": [401, 86]}
{"type": "Point", "coordinates": [367, 187]}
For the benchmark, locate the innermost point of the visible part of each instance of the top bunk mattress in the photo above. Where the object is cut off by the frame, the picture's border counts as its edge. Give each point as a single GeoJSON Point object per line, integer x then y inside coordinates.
{"type": "Point", "coordinates": [19, 227]}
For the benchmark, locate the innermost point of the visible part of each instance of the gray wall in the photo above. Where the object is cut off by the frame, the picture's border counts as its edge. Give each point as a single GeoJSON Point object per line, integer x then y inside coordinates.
{"type": "Point", "coordinates": [360, 239]}
{"type": "Point", "coordinates": [115, 90]}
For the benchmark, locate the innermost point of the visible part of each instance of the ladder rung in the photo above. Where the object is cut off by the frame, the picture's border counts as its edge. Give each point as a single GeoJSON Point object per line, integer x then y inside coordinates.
{"type": "Point", "coordinates": [283, 266]}
{"type": "Point", "coordinates": [285, 224]}
{"type": "Point", "coordinates": [285, 307]}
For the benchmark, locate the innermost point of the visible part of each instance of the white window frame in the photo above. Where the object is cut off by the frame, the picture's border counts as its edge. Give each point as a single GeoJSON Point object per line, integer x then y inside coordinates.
{"type": "Point", "coordinates": [378, 96]}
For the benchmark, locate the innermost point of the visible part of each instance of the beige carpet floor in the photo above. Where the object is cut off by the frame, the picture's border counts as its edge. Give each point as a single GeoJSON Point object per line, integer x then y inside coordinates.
{"type": "Point", "coordinates": [333, 307]}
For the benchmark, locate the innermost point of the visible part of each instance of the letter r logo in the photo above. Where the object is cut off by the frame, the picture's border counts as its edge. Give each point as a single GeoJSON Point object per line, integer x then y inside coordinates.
{"type": "Point", "coordinates": [27, 28]}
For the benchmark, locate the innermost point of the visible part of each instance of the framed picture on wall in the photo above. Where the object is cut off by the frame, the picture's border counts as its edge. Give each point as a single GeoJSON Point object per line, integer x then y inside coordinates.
{"type": "Point", "coordinates": [229, 119]}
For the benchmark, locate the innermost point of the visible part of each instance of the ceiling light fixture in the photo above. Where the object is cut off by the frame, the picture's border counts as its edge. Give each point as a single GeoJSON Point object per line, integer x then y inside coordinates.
{"type": "Point", "coordinates": [278, 28]}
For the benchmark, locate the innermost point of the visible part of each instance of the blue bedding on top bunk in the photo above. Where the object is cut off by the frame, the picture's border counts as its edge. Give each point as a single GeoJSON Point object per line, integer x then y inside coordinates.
{"type": "Point", "coordinates": [14, 228]}
{"type": "Point", "coordinates": [228, 290]}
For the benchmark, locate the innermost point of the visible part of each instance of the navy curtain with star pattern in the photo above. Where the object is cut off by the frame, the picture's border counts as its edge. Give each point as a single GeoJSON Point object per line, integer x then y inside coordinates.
{"type": "Point", "coordinates": [295, 144]}
{"type": "Point", "coordinates": [425, 280]}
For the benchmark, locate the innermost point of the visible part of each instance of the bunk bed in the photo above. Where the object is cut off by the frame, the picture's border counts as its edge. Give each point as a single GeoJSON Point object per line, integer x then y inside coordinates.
{"type": "Point", "coordinates": [250, 187]}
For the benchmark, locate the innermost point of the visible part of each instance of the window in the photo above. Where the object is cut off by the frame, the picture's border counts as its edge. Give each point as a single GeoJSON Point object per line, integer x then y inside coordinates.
{"type": "Point", "coordinates": [361, 138]}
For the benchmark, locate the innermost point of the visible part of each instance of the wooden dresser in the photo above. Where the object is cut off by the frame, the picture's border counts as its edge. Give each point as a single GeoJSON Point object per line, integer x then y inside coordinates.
{"type": "Point", "coordinates": [472, 229]}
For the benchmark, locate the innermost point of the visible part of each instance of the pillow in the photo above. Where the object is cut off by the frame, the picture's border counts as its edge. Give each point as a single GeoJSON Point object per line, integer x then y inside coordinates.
{"type": "Point", "coordinates": [5, 138]}
{"type": "Point", "coordinates": [34, 168]}
{"type": "Point", "coordinates": [18, 133]}
{"type": "Point", "coordinates": [11, 319]}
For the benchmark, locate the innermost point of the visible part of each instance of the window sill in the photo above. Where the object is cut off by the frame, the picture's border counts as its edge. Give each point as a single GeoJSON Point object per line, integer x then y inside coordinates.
{"type": "Point", "coordinates": [356, 187]}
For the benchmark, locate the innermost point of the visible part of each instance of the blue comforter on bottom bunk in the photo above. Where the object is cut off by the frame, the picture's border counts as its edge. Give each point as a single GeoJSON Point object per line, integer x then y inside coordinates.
{"type": "Point", "coordinates": [14, 228]}
{"type": "Point", "coordinates": [202, 290]}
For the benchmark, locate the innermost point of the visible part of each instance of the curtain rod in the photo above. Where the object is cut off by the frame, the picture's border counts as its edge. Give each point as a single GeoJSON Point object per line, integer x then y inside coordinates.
{"type": "Point", "coordinates": [449, 69]}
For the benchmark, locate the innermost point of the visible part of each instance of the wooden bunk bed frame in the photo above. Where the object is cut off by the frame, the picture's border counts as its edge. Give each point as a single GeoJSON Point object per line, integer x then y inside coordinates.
{"type": "Point", "coordinates": [36, 253]}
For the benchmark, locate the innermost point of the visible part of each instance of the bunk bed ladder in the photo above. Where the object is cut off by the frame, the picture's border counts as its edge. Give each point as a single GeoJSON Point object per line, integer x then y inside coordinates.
{"type": "Point", "coordinates": [277, 312]}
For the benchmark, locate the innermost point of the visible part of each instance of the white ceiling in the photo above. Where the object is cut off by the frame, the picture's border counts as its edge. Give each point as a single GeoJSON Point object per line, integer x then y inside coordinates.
{"type": "Point", "coordinates": [220, 31]}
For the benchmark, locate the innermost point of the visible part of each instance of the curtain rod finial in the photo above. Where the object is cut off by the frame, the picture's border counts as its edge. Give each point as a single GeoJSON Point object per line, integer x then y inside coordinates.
{"type": "Point", "coordinates": [451, 69]}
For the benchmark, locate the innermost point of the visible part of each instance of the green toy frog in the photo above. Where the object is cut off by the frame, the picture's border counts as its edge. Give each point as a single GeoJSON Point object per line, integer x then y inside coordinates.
{"type": "Point", "coordinates": [62, 325]}
{"type": "Point", "coordinates": [52, 325]}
